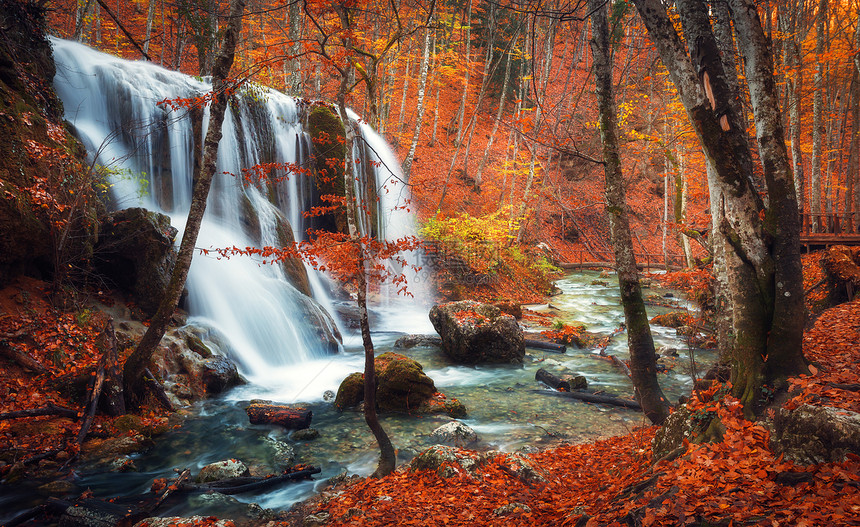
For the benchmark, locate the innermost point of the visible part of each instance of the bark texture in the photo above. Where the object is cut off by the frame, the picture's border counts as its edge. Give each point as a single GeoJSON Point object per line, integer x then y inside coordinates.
{"type": "Point", "coordinates": [765, 346]}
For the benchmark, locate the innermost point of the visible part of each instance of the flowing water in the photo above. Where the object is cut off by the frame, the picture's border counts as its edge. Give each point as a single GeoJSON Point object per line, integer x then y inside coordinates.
{"type": "Point", "coordinates": [506, 407]}
{"type": "Point", "coordinates": [265, 320]}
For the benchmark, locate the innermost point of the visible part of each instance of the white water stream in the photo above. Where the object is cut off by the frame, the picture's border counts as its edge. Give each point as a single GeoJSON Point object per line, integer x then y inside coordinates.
{"type": "Point", "coordinates": [272, 329]}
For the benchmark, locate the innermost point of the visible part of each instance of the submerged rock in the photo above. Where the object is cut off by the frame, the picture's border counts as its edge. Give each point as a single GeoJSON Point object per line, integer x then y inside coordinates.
{"type": "Point", "coordinates": [411, 341]}
{"type": "Point", "coordinates": [475, 333]}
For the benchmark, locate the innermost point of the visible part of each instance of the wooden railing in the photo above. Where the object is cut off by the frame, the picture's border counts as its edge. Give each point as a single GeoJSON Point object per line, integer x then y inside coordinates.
{"type": "Point", "coordinates": [829, 223]}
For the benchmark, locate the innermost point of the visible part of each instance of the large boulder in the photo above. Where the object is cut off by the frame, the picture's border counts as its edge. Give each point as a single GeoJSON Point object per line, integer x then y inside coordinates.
{"type": "Point", "coordinates": [135, 251]}
{"type": "Point", "coordinates": [401, 386]}
{"type": "Point", "coordinates": [474, 333]}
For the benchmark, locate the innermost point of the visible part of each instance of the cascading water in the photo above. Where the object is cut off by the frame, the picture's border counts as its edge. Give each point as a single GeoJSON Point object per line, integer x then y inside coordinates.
{"type": "Point", "coordinates": [267, 321]}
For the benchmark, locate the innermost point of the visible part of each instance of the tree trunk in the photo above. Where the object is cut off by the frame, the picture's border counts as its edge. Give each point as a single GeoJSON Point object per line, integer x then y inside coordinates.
{"type": "Point", "coordinates": [762, 329]}
{"type": "Point", "coordinates": [150, 17]}
{"type": "Point", "coordinates": [387, 455]}
{"type": "Point", "coordinates": [643, 359]}
{"type": "Point", "coordinates": [818, 119]}
{"type": "Point", "coordinates": [422, 85]}
{"type": "Point", "coordinates": [500, 110]}
{"type": "Point", "coordinates": [784, 356]}
{"type": "Point", "coordinates": [293, 65]}
{"type": "Point", "coordinates": [138, 361]}
{"type": "Point", "coordinates": [461, 112]}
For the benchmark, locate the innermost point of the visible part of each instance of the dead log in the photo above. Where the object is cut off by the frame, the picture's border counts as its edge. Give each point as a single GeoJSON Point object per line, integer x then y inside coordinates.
{"type": "Point", "coordinates": [544, 345]}
{"type": "Point", "coordinates": [22, 359]}
{"type": "Point", "coordinates": [596, 398]}
{"type": "Point", "coordinates": [92, 404]}
{"type": "Point", "coordinates": [552, 381]}
{"type": "Point", "coordinates": [51, 409]}
{"type": "Point", "coordinates": [279, 414]}
{"type": "Point", "coordinates": [250, 484]}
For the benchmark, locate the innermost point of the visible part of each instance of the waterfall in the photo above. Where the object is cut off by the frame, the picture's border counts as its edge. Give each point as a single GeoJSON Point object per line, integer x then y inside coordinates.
{"type": "Point", "coordinates": [149, 151]}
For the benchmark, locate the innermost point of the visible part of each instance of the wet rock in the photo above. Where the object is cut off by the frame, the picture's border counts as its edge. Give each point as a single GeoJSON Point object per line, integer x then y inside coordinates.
{"type": "Point", "coordinates": [316, 520]}
{"type": "Point", "coordinates": [577, 382]}
{"type": "Point", "coordinates": [411, 341]}
{"type": "Point", "coordinates": [448, 461]}
{"type": "Point", "coordinates": [524, 468]}
{"type": "Point", "coordinates": [282, 454]}
{"type": "Point", "coordinates": [113, 454]}
{"type": "Point", "coordinates": [603, 283]}
{"type": "Point", "coordinates": [665, 351]}
{"type": "Point", "coordinates": [401, 386]}
{"type": "Point", "coordinates": [230, 468]}
{"type": "Point", "coordinates": [58, 488]}
{"type": "Point", "coordinates": [307, 434]}
{"type": "Point", "coordinates": [401, 383]}
{"type": "Point", "coordinates": [135, 251]}
{"type": "Point", "coordinates": [475, 333]}
{"type": "Point", "coordinates": [438, 403]}
{"type": "Point", "coordinates": [816, 434]}
{"type": "Point", "coordinates": [454, 433]}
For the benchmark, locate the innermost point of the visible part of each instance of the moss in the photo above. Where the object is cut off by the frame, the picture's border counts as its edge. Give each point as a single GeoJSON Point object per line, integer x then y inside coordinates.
{"type": "Point", "coordinates": [350, 392]}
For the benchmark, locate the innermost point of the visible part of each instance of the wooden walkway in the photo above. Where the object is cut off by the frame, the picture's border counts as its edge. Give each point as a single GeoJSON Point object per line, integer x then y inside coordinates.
{"type": "Point", "coordinates": [823, 230]}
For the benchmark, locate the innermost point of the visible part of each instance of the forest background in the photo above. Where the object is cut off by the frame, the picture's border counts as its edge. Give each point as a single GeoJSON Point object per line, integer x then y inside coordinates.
{"type": "Point", "coordinates": [492, 110]}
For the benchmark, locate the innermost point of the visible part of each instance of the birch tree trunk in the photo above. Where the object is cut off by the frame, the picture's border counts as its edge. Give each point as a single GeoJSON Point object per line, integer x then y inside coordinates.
{"type": "Point", "coordinates": [138, 361]}
{"type": "Point", "coordinates": [499, 112]}
{"type": "Point", "coordinates": [817, 119]}
{"type": "Point", "coordinates": [643, 363]}
{"type": "Point", "coordinates": [150, 17]}
{"type": "Point", "coordinates": [422, 85]}
{"type": "Point", "coordinates": [461, 112]}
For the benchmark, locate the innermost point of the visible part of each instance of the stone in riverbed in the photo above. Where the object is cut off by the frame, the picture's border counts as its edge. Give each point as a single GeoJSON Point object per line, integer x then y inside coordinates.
{"type": "Point", "coordinates": [475, 333]}
{"type": "Point", "coordinates": [401, 386]}
{"type": "Point", "coordinates": [454, 433]}
{"type": "Point", "coordinates": [229, 468]}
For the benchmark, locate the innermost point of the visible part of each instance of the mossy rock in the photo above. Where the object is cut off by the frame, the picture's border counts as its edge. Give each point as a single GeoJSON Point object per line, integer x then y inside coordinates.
{"type": "Point", "coordinates": [401, 384]}
{"type": "Point", "coordinates": [673, 319]}
{"type": "Point", "coordinates": [350, 392]}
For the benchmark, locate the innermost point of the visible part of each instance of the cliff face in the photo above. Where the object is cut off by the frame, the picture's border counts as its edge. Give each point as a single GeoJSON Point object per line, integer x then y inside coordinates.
{"type": "Point", "coordinates": [47, 197]}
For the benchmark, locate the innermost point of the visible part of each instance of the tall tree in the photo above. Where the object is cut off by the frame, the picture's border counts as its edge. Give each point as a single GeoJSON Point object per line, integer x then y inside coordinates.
{"type": "Point", "coordinates": [762, 251]}
{"type": "Point", "coordinates": [643, 359]}
{"type": "Point", "coordinates": [818, 117]}
{"type": "Point", "coordinates": [138, 361]}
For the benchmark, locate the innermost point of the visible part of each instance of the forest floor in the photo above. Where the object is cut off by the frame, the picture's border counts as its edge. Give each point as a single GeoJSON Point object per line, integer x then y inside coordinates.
{"type": "Point", "coordinates": [616, 481]}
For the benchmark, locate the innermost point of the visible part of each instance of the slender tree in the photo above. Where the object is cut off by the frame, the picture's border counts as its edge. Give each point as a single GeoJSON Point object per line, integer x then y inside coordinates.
{"type": "Point", "coordinates": [138, 361]}
{"type": "Point", "coordinates": [643, 359]}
